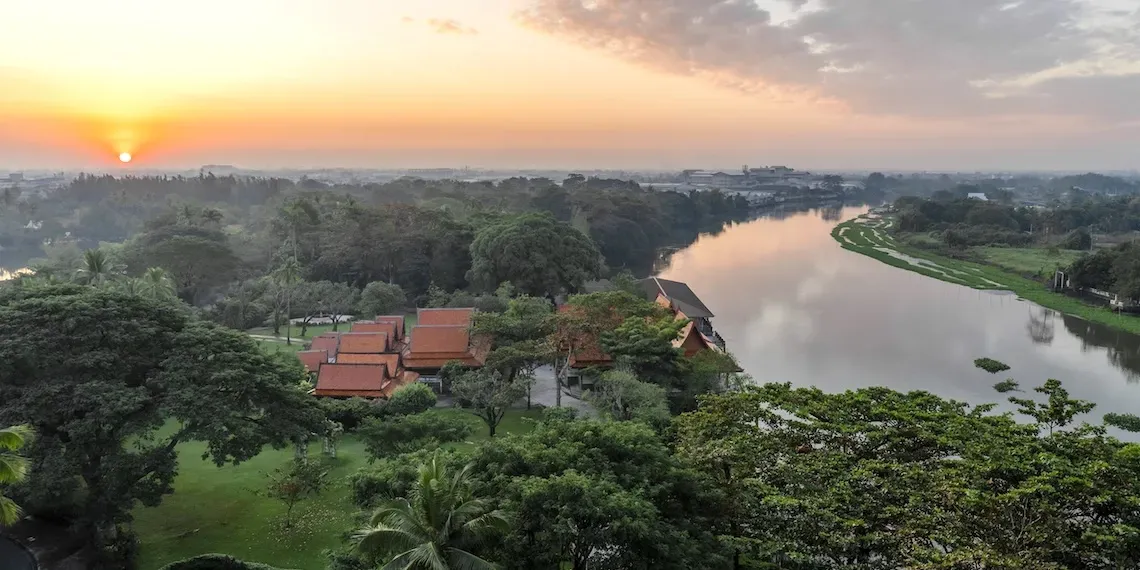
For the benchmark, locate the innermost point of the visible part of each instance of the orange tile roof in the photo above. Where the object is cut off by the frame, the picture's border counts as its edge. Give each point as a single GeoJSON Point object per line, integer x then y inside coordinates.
{"type": "Point", "coordinates": [387, 328]}
{"type": "Point", "coordinates": [434, 346]}
{"type": "Point", "coordinates": [363, 343]}
{"type": "Point", "coordinates": [391, 360]}
{"type": "Point", "coordinates": [365, 380]}
{"type": "Point", "coordinates": [327, 342]}
{"type": "Point", "coordinates": [445, 317]}
{"type": "Point", "coordinates": [313, 359]}
{"type": "Point", "coordinates": [397, 320]}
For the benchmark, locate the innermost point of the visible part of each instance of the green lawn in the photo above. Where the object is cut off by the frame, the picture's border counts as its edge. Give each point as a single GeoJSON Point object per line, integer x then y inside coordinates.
{"type": "Point", "coordinates": [1029, 261]}
{"type": "Point", "coordinates": [219, 509]}
{"type": "Point", "coordinates": [869, 238]}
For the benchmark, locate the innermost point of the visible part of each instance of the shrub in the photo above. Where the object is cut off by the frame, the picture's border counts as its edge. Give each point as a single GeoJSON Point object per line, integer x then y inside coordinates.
{"type": "Point", "coordinates": [387, 479]}
{"type": "Point", "coordinates": [405, 434]}
{"type": "Point", "coordinates": [411, 399]}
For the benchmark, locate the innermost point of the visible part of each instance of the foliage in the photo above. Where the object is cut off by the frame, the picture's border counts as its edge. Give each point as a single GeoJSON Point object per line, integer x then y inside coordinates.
{"type": "Point", "coordinates": [215, 562]}
{"type": "Point", "coordinates": [602, 494]}
{"type": "Point", "coordinates": [990, 365]}
{"type": "Point", "coordinates": [13, 469]}
{"type": "Point", "coordinates": [380, 298]}
{"type": "Point", "coordinates": [623, 397]}
{"type": "Point", "coordinates": [407, 433]}
{"type": "Point", "coordinates": [1078, 239]}
{"type": "Point", "coordinates": [880, 479]}
{"type": "Point", "coordinates": [97, 374]}
{"type": "Point", "coordinates": [435, 527]}
{"type": "Point", "coordinates": [387, 478]}
{"type": "Point", "coordinates": [536, 253]}
{"type": "Point", "coordinates": [646, 347]}
{"type": "Point", "coordinates": [196, 254]}
{"type": "Point", "coordinates": [488, 394]}
{"type": "Point", "coordinates": [411, 399]}
{"type": "Point", "coordinates": [295, 482]}
{"type": "Point", "coordinates": [350, 412]}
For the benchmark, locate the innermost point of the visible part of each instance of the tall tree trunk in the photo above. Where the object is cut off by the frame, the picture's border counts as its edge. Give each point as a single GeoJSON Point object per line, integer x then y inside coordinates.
{"type": "Point", "coordinates": [289, 318]}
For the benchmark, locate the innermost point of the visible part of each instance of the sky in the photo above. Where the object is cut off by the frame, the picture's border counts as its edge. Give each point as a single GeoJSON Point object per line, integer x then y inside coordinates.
{"type": "Point", "coordinates": [647, 84]}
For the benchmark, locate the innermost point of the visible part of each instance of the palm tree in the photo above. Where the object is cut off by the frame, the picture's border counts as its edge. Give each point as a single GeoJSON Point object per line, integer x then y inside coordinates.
{"type": "Point", "coordinates": [286, 276]}
{"type": "Point", "coordinates": [430, 530]}
{"type": "Point", "coordinates": [157, 284]}
{"type": "Point", "coordinates": [97, 268]}
{"type": "Point", "coordinates": [13, 468]}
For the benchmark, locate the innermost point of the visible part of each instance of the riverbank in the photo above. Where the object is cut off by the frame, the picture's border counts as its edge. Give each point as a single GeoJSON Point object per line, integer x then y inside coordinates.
{"type": "Point", "coordinates": [869, 235]}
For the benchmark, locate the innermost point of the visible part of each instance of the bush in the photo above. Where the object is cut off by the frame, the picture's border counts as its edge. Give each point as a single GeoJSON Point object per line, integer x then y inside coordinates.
{"type": "Point", "coordinates": [1078, 239]}
{"type": "Point", "coordinates": [216, 562]}
{"type": "Point", "coordinates": [387, 479]}
{"type": "Point", "coordinates": [380, 298]}
{"type": "Point", "coordinates": [411, 399]}
{"type": "Point", "coordinates": [406, 434]}
{"type": "Point", "coordinates": [350, 413]}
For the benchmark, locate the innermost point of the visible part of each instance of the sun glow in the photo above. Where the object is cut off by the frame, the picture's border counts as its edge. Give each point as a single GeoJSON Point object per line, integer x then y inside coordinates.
{"type": "Point", "coordinates": [125, 157]}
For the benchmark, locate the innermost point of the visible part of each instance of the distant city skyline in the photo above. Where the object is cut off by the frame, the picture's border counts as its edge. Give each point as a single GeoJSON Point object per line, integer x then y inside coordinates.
{"type": "Point", "coordinates": [571, 84]}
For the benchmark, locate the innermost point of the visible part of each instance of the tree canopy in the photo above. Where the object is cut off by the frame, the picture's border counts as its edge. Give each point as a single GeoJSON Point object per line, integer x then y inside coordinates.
{"type": "Point", "coordinates": [534, 252]}
{"type": "Point", "coordinates": [112, 383]}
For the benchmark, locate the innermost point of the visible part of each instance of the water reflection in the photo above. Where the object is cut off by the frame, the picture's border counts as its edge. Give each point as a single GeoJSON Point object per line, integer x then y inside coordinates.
{"type": "Point", "coordinates": [794, 306]}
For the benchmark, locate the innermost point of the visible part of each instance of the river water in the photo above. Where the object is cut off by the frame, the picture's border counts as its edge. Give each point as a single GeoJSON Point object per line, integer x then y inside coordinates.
{"type": "Point", "coordinates": [795, 307]}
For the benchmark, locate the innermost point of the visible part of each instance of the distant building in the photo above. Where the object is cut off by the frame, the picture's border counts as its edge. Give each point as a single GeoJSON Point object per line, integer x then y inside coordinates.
{"type": "Point", "coordinates": [748, 177]}
{"type": "Point", "coordinates": [977, 196]}
{"type": "Point", "coordinates": [16, 177]}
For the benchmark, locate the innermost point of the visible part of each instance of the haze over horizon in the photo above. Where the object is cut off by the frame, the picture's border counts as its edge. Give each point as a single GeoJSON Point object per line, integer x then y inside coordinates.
{"type": "Point", "coordinates": [661, 84]}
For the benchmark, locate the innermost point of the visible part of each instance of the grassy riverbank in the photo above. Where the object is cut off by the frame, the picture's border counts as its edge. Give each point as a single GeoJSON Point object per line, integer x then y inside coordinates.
{"type": "Point", "coordinates": [869, 236]}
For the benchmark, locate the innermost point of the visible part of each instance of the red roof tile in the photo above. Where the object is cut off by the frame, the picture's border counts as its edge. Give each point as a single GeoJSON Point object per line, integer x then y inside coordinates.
{"type": "Point", "coordinates": [363, 343]}
{"type": "Point", "coordinates": [387, 328]}
{"type": "Point", "coordinates": [445, 317]}
{"type": "Point", "coordinates": [391, 360]}
{"type": "Point", "coordinates": [434, 346]}
{"type": "Point", "coordinates": [367, 380]}
{"type": "Point", "coordinates": [327, 342]}
{"type": "Point", "coordinates": [397, 320]}
{"type": "Point", "coordinates": [313, 359]}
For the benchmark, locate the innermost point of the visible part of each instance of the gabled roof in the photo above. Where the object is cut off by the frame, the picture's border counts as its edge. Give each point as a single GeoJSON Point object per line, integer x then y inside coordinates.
{"type": "Point", "coordinates": [327, 342]}
{"type": "Point", "coordinates": [387, 328]}
{"type": "Point", "coordinates": [397, 320]}
{"type": "Point", "coordinates": [439, 340]}
{"type": "Point", "coordinates": [363, 343]}
{"type": "Point", "coordinates": [391, 360]}
{"type": "Point", "coordinates": [367, 380]}
{"type": "Point", "coordinates": [445, 317]}
{"type": "Point", "coordinates": [682, 297]}
{"type": "Point", "coordinates": [313, 359]}
{"type": "Point", "coordinates": [434, 346]}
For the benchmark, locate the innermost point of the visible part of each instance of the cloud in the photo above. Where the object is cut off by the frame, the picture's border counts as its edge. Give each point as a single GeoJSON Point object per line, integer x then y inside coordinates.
{"type": "Point", "coordinates": [945, 58]}
{"type": "Point", "coordinates": [408, 20]}
{"type": "Point", "coordinates": [449, 26]}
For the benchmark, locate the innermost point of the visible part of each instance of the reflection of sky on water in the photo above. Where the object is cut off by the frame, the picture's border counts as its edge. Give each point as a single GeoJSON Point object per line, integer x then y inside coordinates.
{"type": "Point", "coordinates": [794, 306]}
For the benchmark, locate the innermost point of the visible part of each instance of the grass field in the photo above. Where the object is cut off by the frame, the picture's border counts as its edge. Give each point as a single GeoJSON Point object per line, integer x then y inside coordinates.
{"type": "Point", "coordinates": [219, 509]}
{"type": "Point", "coordinates": [1029, 261]}
{"type": "Point", "coordinates": [869, 237]}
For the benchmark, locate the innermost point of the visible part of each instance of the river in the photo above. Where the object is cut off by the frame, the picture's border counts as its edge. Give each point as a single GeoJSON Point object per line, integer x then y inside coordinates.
{"type": "Point", "coordinates": [795, 307]}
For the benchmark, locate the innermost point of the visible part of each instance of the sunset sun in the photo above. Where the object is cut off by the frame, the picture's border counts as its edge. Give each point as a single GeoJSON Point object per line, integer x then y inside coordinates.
{"type": "Point", "coordinates": [125, 157]}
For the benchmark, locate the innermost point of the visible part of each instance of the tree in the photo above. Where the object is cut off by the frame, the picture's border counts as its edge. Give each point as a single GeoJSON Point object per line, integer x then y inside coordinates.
{"type": "Point", "coordinates": [488, 395]}
{"type": "Point", "coordinates": [517, 336]}
{"type": "Point", "coordinates": [990, 365]}
{"type": "Point", "coordinates": [13, 469]}
{"type": "Point", "coordinates": [98, 374]}
{"type": "Point", "coordinates": [294, 483]}
{"type": "Point", "coordinates": [380, 298]}
{"type": "Point", "coordinates": [97, 269]}
{"type": "Point", "coordinates": [646, 348]}
{"type": "Point", "coordinates": [287, 277]}
{"type": "Point", "coordinates": [536, 253]}
{"type": "Point", "coordinates": [623, 397]}
{"type": "Point", "coordinates": [598, 494]}
{"type": "Point", "coordinates": [832, 183]}
{"type": "Point", "coordinates": [156, 284]}
{"type": "Point", "coordinates": [436, 527]}
{"type": "Point", "coordinates": [337, 300]}
{"type": "Point", "coordinates": [197, 257]}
